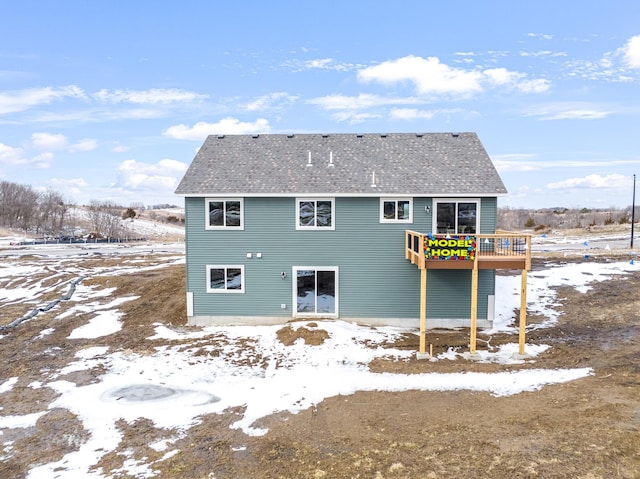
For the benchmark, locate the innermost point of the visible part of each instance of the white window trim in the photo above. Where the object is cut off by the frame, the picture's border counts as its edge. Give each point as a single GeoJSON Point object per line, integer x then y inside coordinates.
{"type": "Point", "coordinates": [225, 267]}
{"type": "Point", "coordinates": [396, 199]}
{"type": "Point", "coordinates": [316, 227]}
{"type": "Point", "coordinates": [434, 216]}
{"type": "Point", "coordinates": [294, 277]}
{"type": "Point", "coordinates": [224, 227]}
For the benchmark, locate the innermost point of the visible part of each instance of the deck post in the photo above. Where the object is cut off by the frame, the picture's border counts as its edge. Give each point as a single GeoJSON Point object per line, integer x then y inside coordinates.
{"type": "Point", "coordinates": [474, 305]}
{"type": "Point", "coordinates": [523, 311]}
{"type": "Point", "coordinates": [423, 311]}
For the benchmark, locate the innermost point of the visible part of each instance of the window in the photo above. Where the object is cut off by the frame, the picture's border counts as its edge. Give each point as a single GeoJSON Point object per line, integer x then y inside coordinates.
{"type": "Point", "coordinates": [227, 213]}
{"type": "Point", "coordinates": [394, 210]}
{"type": "Point", "coordinates": [315, 214]}
{"type": "Point", "coordinates": [316, 292]}
{"type": "Point", "coordinates": [456, 216]}
{"type": "Point", "coordinates": [225, 279]}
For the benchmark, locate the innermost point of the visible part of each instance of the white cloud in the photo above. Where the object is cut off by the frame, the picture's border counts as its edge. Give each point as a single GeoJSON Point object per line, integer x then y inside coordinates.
{"type": "Point", "coordinates": [320, 64]}
{"type": "Point", "coordinates": [120, 148]}
{"type": "Point", "coordinates": [12, 156]}
{"type": "Point", "coordinates": [578, 115]}
{"type": "Point", "coordinates": [86, 144]}
{"type": "Point", "coordinates": [362, 101]}
{"type": "Point", "coordinates": [593, 182]}
{"type": "Point", "coordinates": [226, 126]}
{"type": "Point", "coordinates": [48, 141]}
{"type": "Point", "coordinates": [539, 85]}
{"type": "Point", "coordinates": [502, 76]}
{"type": "Point", "coordinates": [269, 101]}
{"type": "Point", "coordinates": [147, 97]}
{"type": "Point", "coordinates": [515, 162]}
{"type": "Point", "coordinates": [529, 162]}
{"type": "Point", "coordinates": [542, 36]}
{"type": "Point", "coordinates": [20, 100]}
{"type": "Point", "coordinates": [431, 77]}
{"type": "Point", "coordinates": [570, 111]}
{"type": "Point", "coordinates": [411, 114]}
{"type": "Point", "coordinates": [631, 52]}
{"type": "Point", "coordinates": [427, 74]}
{"type": "Point", "coordinates": [416, 114]}
{"type": "Point", "coordinates": [71, 187]}
{"type": "Point", "coordinates": [353, 117]}
{"type": "Point", "coordinates": [164, 175]}
{"type": "Point", "coordinates": [68, 183]}
{"type": "Point", "coordinates": [43, 160]}
{"type": "Point", "coordinates": [54, 142]}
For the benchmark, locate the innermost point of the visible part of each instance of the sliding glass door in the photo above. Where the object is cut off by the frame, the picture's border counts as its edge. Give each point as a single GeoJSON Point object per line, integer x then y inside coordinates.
{"type": "Point", "coordinates": [316, 292]}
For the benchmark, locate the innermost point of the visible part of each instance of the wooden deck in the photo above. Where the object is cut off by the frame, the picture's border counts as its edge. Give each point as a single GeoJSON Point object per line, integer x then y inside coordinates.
{"type": "Point", "coordinates": [502, 250]}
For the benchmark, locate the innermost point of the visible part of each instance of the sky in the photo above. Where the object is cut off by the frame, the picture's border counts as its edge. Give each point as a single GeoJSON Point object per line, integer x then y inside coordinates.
{"type": "Point", "coordinates": [174, 384]}
{"type": "Point", "coordinates": [111, 100]}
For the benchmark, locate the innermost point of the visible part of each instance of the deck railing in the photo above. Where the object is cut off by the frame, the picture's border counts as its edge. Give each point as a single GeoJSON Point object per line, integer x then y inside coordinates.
{"type": "Point", "coordinates": [504, 248]}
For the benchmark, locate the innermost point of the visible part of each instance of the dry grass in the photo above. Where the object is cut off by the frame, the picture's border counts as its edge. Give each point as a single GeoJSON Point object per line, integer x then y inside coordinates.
{"type": "Point", "coordinates": [588, 428]}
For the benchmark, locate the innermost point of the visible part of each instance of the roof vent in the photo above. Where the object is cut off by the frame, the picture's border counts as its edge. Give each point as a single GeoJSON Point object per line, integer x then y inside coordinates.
{"type": "Point", "coordinates": [373, 180]}
{"type": "Point", "coordinates": [290, 135]}
{"type": "Point", "coordinates": [455, 135]}
{"type": "Point", "coordinates": [384, 135]}
{"type": "Point", "coordinates": [419, 135]}
{"type": "Point", "coordinates": [359, 135]}
{"type": "Point", "coordinates": [331, 159]}
{"type": "Point", "coordinates": [255, 136]}
{"type": "Point", "coordinates": [309, 160]}
{"type": "Point", "coordinates": [220, 137]}
{"type": "Point", "coordinates": [324, 135]}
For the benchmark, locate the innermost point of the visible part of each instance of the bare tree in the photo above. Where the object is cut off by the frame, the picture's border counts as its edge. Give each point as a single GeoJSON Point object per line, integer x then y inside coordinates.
{"type": "Point", "coordinates": [105, 218]}
{"type": "Point", "coordinates": [51, 215]}
{"type": "Point", "coordinates": [16, 204]}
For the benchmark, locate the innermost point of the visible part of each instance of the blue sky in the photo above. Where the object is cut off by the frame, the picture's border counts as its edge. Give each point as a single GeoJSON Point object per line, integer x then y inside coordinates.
{"type": "Point", "coordinates": [110, 100]}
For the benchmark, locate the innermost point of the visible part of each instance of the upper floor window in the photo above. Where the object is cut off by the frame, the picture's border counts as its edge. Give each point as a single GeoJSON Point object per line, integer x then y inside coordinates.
{"type": "Point", "coordinates": [396, 210]}
{"type": "Point", "coordinates": [224, 213]}
{"type": "Point", "coordinates": [456, 216]}
{"type": "Point", "coordinates": [315, 214]}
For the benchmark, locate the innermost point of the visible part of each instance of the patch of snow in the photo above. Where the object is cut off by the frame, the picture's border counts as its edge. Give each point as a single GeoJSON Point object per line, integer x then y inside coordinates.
{"type": "Point", "coordinates": [198, 371]}
{"type": "Point", "coordinates": [541, 294]}
{"type": "Point", "coordinates": [92, 352]}
{"type": "Point", "coordinates": [28, 420]}
{"type": "Point", "coordinates": [45, 332]}
{"type": "Point", "coordinates": [103, 324]}
{"type": "Point", "coordinates": [8, 385]}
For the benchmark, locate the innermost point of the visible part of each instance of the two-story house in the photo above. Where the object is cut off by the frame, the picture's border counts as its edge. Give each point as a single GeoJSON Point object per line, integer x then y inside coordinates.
{"type": "Point", "coordinates": [321, 226]}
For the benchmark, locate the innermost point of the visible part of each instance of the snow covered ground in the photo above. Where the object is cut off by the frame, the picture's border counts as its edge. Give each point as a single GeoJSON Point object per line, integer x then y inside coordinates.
{"type": "Point", "coordinates": [174, 386]}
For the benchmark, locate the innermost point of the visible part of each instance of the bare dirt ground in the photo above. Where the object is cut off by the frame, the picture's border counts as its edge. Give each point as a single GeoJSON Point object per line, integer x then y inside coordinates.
{"type": "Point", "coordinates": [587, 428]}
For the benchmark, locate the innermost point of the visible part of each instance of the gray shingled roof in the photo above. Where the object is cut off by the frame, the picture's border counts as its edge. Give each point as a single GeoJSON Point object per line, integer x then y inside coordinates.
{"type": "Point", "coordinates": [430, 164]}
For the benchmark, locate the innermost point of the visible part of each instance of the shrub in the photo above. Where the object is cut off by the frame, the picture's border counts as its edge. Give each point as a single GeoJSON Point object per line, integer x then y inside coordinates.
{"type": "Point", "coordinates": [129, 213]}
{"type": "Point", "coordinates": [530, 223]}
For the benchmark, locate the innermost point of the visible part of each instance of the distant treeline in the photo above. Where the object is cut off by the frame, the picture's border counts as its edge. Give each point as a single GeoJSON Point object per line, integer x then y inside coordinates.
{"type": "Point", "coordinates": [563, 218]}
{"type": "Point", "coordinates": [50, 214]}
{"type": "Point", "coordinates": [30, 210]}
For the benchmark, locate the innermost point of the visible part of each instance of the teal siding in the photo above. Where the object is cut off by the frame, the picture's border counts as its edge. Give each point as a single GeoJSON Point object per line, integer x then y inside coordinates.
{"type": "Point", "coordinates": [488, 215]}
{"type": "Point", "coordinates": [375, 281]}
{"type": "Point", "coordinates": [449, 293]}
